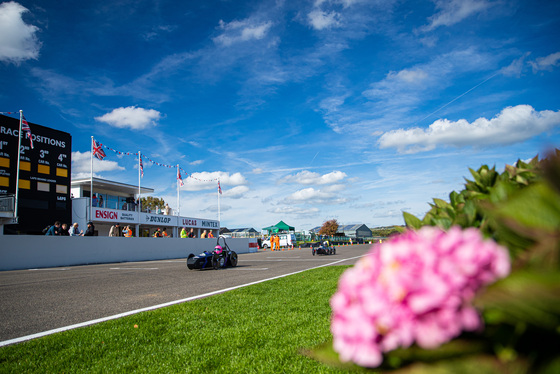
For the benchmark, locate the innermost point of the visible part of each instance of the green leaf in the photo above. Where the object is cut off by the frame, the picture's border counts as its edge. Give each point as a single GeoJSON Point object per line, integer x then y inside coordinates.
{"type": "Point", "coordinates": [443, 222]}
{"type": "Point", "coordinates": [535, 206]}
{"type": "Point", "coordinates": [441, 203]}
{"type": "Point", "coordinates": [412, 221]}
{"type": "Point", "coordinates": [530, 297]}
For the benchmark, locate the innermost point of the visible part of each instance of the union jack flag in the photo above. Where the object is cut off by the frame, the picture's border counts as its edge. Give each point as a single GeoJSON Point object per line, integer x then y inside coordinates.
{"type": "Point", "coordinates": [25, 127]}
{"type": "Point", "coordinates": [98, 150]}
{"type": "Point", "coordinates": [141, 167]}
{"type": "Point", "coordinates": [219, 188]}
{"type": "Point", "coordinates": [179, 178]}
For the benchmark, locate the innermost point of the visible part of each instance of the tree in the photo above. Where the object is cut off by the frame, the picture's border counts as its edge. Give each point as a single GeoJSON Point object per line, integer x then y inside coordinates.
{"type": "Point", "coordinates": [152, 203]}
{"type": "Point", "coordinates": [329, 227]}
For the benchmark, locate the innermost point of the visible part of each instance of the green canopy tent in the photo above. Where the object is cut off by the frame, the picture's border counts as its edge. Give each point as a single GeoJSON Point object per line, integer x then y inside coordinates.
{"type": "Point", "coordinates": [280, 226]}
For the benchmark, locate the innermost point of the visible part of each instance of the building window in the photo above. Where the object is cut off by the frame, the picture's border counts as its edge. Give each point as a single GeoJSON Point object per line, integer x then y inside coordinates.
{"type": "Point", "coordinates": [111, 201]}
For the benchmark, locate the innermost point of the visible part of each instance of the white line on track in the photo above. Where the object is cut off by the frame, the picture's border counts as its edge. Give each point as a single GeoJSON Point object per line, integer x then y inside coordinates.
{"type": "Point", "coordinates": [289, 259]}
{"type": "Point", "coordinates": [104, 319]}
{"type": "Point", "coordinates": [133, 268]}
{"type": "Point", "coordinates": [48, 269]}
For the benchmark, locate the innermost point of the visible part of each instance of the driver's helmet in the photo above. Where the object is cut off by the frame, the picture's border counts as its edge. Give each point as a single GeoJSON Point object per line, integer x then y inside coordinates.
{"type": "Point", "coordinates": [218, 249]}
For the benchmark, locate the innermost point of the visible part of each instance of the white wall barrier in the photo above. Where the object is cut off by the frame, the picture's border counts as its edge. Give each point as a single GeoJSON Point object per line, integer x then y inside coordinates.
{"type": "Point", "coordinates": [30, 251]}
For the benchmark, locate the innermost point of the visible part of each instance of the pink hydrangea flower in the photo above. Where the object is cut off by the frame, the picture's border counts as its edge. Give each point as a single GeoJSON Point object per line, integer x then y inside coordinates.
{"type": "Point", "coordinates": [414, 288]}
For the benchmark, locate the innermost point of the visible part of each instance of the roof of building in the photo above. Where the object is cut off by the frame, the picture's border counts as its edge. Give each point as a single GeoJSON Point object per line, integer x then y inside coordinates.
{"type": "Point", "coordinates": [246, 229]}
{"type": "Point", "coordinates": [105, 184]}
{"type": "Point", "coordinates": [344, 228]}
{"type": "Point", "coordinates": [353, 227]}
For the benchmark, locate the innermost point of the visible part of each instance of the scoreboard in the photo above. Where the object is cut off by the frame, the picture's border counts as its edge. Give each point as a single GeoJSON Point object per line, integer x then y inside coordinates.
{"type": "Point", "coordinates": [44, 175]}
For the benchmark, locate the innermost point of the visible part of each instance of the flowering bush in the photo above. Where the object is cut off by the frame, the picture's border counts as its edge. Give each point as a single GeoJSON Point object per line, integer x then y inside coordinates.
{"type": "Point", "coordinates": [404, 306]}
{"type": "Point", "coordinates": [416, 288]}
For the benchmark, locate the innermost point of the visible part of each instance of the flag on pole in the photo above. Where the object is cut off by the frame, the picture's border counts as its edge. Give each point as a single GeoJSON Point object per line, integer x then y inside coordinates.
{"type": "Point", "coordinates": [141, 167]}
{"type": "Point", "coordinates": [25, 127]}
{"type": "Point", "coordinates": [179, 178]}
{"type": "Point", "coordinates": [219, 188]}
{"type": "Point", "coordinates": [98, 150]}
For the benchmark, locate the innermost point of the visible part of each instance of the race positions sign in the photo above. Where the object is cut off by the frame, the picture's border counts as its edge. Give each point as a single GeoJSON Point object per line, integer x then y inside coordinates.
{"type": "Point", "coordinates": [44, 175]}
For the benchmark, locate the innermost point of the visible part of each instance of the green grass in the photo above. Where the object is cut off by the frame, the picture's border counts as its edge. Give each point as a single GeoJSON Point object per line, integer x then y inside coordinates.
{"type": "Point", "coordinates": [257, 329]}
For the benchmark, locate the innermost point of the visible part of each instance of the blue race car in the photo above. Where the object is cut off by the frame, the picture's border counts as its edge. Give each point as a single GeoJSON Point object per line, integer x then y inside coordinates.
{"type": "Point", "coordinates": [324, 248]}
{"type": "Point", "coordinates": [221, 257]}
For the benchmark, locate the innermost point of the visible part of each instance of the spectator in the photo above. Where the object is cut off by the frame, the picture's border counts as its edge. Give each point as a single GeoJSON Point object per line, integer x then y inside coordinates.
{"type": "Point", "coordinates": [164, 233]}
{"type": "Point", "coordinates": [64, 230]}
{"type": "Point", "coordinates": [90, 229]}
{"type": "Point", "coordinates": [203, 234]}
{"type": "Point", "coordinates": [94, 200]}
{"type": "Point", "coordinates": [115, 230]}
{"type": "Point", "coordinates": [100, 201]}
{"type": "Point", "coordinates": [166, 209]}
{"type": "Point", "coordinates": [210, 235]}
{"type": "Point", "coordinates": [54, 229]}
{"type": "Point", "coordinates": [74, 230]}
{"type": "Point", "coordinates": [127, 232]}
{"type": "Point", "coordinates": [157, 234]}
{"type": "Point", "coordinates": [192, 234]}
{"type": "Point", "coordinates": [184, 233]}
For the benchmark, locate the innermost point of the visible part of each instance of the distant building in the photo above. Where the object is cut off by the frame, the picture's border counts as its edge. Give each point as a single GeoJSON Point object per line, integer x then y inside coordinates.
{"type": "Point", "coordinates": [247, 232]}
{"type": "Point", "coordinates": [355, 231]}
{"type": "Point", "coordinates": [225, 231]}
{"type": "Point", "coordinates": [115, 202]}
{"type": "Point", "coordinates": [358, 230]}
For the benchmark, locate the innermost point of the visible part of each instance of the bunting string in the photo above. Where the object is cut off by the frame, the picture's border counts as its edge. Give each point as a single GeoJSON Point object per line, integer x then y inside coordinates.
{"type": "Point", "coordinates": [144, 157]}
{"type": "Point", "coordinates": [181, 170]}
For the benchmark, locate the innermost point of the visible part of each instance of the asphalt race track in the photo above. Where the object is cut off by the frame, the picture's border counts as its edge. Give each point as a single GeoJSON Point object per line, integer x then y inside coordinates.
{"type": "Point", "coordinates": [37, 301]}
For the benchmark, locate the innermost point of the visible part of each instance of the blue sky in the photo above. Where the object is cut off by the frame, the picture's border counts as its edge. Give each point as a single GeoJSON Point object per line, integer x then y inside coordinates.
{"type": "Point", "coordinates": [305, 110]}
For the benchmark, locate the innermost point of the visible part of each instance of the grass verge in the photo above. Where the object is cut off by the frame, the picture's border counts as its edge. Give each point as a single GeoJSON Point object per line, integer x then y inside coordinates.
{"type": "Point", "coordinates": [256, 329]}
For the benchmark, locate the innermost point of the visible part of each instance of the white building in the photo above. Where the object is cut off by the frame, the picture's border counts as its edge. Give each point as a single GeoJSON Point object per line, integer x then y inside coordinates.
{"type": "Point", "coordinates": [115, 202]}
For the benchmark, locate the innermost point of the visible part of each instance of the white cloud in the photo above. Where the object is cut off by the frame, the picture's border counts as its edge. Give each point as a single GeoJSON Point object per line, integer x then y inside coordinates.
{"type": "Point", "coordinates": [131, 117]}
{"type": "Point", "coordinates": [511, 125]}
{"type": "Point", "coordinates": [320, 20]}
{"type": "Point", "coordinates": [241, 31]}
{"type": "Point", "coordinates": [307, 177]}
{"type": "Point", "coordinates": [546, 63]}
{"type": "Point", "coordinates": [81, 165]}
{"type": "Point", "coordinates": [454, 11]}
{"type": "Point", "coordinates": [18, 41]}
{"type": "Point", "coordinates": [301, 211]}
{"type": "Point", "coordinates": [409, 76]}
{"type": "Point", "coordinates": [235, 192]}
{"type": "Point", "coordinates": [516, 67]}
{"type": "Point", "coordinates": [313, 196]}
{"type": "Point", "coordinates": [209, 180]}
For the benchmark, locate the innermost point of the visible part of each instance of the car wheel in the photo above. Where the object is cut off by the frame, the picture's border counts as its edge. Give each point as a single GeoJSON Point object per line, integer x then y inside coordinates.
{"type": "Point", "coordinates": [265, 246]}
{"type": "Point", "coordinates": [233, 259]}
{"type": "Point", "coordinates": [216, 259]}
{"type": "Point", "coordinates": [189, 265]}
